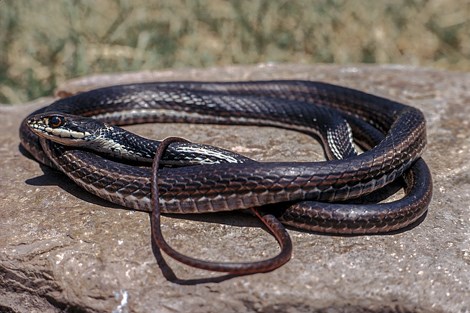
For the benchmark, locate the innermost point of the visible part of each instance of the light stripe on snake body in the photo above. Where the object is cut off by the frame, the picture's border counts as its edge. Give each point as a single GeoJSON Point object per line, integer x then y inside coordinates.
{"type": "Point", "coordinates": [394, 132]}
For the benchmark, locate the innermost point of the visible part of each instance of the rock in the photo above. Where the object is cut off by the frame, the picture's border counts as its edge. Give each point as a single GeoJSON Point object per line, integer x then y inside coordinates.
{"type": "Point", "coordinates": [65, 250]}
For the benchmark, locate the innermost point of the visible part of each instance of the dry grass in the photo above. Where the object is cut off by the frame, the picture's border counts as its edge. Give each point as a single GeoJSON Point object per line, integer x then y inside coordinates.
{"type": "Point", "coordinates": [43, 42]}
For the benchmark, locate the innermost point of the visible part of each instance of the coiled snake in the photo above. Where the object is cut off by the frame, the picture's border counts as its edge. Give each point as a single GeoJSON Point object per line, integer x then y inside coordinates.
{"type": "Point", "coordinates": [199, 178]}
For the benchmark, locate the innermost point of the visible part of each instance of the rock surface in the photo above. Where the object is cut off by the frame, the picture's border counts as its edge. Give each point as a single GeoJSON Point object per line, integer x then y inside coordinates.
{"type": "Point", "coordinates": [65, 250]}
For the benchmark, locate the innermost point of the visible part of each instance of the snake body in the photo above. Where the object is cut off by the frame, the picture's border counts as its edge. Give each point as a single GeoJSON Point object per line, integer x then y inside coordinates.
{"type": "Point", "coordinates": [312, 193]}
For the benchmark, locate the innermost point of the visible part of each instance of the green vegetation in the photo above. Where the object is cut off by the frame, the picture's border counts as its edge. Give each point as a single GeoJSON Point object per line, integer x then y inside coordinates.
{"type": "Point", "coordinates": [43, 42]}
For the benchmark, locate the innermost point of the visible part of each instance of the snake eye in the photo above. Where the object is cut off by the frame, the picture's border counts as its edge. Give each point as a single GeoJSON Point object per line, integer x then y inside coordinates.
{"type": "Point", "coordinates": [56, 121]}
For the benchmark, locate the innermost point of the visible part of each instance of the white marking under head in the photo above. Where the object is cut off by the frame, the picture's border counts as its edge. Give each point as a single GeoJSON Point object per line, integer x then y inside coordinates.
{"type": "Point", "coordinates": [77, 135]}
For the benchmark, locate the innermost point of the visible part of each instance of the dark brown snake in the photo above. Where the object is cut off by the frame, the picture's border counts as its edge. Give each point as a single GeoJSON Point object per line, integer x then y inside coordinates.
{"type": "Point", "coordinates": [308, 195]}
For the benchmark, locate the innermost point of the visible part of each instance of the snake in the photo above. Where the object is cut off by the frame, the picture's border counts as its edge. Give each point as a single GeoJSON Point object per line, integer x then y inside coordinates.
{"type": "Point", "coordinates": [199, 178]}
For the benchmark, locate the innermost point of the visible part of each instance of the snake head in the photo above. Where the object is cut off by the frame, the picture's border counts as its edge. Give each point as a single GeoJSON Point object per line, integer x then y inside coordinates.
{"type": "Point", "coordinates": [63, 128]}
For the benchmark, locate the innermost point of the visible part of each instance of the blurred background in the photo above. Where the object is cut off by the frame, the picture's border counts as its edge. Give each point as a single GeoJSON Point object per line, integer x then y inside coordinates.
{"type": "Point", "coordinates": [44, 42]}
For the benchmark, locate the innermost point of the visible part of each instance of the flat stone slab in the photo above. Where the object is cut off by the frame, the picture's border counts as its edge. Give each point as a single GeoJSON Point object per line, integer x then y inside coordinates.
{"type": "Point", "coordinates": [62, 249]}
